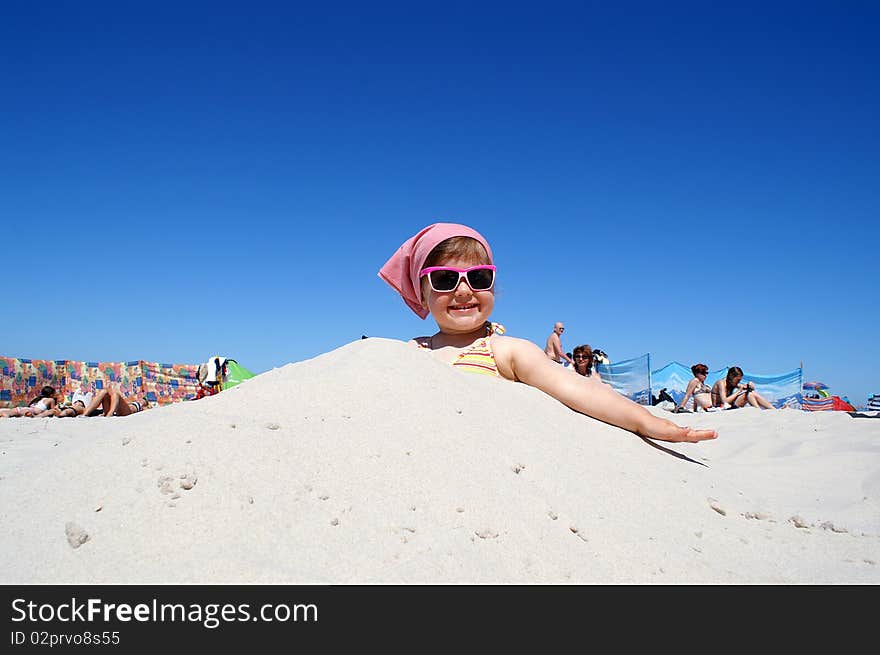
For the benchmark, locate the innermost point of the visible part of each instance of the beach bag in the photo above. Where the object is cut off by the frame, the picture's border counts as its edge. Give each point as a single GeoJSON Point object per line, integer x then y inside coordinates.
{"type": "Point", "coordinates": [211, 376]}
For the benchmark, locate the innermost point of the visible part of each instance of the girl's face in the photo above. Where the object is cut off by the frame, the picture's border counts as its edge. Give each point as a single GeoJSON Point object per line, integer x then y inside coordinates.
{"type": "Point", "coordinates": [736, 379]}
{"type": "Point", "coordinates": [462, 310]}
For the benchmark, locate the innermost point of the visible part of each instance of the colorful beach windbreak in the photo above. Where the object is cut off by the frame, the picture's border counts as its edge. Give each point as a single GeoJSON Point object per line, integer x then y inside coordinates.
{"type": "Point", "coordinates": [784, 389]}
{"type": "Point", "coordinates": [21, 379]}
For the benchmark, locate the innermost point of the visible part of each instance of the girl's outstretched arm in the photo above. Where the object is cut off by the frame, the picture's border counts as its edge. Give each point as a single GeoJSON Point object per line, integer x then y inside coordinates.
{"type": "Point", "coordinates": [523, 361]}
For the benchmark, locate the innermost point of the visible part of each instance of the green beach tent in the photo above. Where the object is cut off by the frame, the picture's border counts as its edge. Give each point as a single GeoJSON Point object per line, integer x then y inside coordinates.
{"type": "Point", "coordinates": [235, 374]}
{"type": "Point", "coordinates": [221, 373]}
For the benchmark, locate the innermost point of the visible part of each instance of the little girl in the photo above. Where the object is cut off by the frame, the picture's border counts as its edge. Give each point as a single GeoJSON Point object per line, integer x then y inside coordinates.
{"type": "Point", "coordinates": [446, 270]}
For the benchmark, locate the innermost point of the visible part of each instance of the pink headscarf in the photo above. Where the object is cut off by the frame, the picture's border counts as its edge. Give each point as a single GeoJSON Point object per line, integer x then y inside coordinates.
{"type": "Point", "coordinates": [402, 270]}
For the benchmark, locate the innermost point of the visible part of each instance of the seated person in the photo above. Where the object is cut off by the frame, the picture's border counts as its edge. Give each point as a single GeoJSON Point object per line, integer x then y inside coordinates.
{"type": "Point", "coordinates": [42, 405]}
{"type": "Point", "coordinates": [697, 388]}
{"type": "Point", "coordinates": [584, 362]}
{"type": "Point", "coordinates": [113, 403]}
{"type": "Point", "coordinates": [730, 394]}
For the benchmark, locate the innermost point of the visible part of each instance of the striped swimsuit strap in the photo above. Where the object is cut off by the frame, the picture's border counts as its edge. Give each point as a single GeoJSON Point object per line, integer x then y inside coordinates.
{"type": "Point", "coordinates": [479, 357]}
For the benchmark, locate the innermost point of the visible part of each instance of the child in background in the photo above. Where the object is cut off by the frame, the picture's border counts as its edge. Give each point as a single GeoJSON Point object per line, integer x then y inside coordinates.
{"type": "Point", "coordinates": [446, 270]}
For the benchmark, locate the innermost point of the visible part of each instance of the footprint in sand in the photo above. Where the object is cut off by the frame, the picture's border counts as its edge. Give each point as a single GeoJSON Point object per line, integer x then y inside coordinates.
{"type": "Point", "coordinates": [404, 539]}
{"type": "Point", "coordinates": [188, 481]}
{"type": "Point", "coordinates": [76, 536]}
{"type": "Point", "coordinates": [798, 522]}
{"type": "Point", "coordinates": [166, 484]}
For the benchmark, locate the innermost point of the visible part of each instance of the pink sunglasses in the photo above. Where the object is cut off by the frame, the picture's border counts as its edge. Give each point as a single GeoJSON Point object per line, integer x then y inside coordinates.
{"type": "Point", "coordinates": [445, 278]}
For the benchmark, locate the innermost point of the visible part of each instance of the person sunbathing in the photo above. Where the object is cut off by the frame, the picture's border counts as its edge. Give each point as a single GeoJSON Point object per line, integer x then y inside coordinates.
{"type": "Point", "coordinates": [42, 405]}
{"type": "Point", "coordinates": [113, 403]}
{"type": "Point", "coordinates": [70, 410]}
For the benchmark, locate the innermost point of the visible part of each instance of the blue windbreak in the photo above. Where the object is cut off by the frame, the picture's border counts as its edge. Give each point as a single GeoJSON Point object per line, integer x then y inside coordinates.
{"type": "Point", "coordinates": [782, 389]}
{"type": "Point", "coordinates": [630, 377]}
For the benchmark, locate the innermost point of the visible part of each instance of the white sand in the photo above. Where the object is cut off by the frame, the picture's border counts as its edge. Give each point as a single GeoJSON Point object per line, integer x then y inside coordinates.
{"type": "Point", "coordinates": [377, 464]}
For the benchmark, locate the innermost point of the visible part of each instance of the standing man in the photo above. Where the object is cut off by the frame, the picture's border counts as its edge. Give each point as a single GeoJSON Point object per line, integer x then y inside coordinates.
{"type": "Point", "coordinates": [554, 350]}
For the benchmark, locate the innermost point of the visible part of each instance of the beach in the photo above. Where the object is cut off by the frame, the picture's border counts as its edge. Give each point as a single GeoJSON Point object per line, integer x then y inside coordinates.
{"type": "Point", "coordinates": [377, 464]}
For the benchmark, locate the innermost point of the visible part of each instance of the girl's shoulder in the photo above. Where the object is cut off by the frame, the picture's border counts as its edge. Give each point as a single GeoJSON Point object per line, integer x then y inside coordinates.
{"type": "Point", "coordinates": [504, 345]}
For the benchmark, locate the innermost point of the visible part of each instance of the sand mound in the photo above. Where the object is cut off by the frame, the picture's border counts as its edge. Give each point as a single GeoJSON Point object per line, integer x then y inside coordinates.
{"type": "Point", "coordinates": [376, 463]}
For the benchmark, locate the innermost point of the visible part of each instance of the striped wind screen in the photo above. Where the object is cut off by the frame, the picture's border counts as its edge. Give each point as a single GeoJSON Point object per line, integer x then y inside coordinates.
{"type": "Point", "coordinates": [818, 404]}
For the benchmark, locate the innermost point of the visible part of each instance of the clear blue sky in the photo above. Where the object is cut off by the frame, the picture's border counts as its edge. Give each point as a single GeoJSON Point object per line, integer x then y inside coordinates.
{"type": "Point", "coordinates": [696, 182]}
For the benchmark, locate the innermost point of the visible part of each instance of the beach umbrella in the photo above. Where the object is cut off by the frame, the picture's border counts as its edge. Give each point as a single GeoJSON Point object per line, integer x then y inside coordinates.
{"type": "Point", "coordinates": [815, 385]}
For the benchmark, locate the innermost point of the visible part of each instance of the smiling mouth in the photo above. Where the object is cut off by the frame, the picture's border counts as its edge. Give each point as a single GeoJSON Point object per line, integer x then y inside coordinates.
{"type": "Point", "coordinates": [462, 308]}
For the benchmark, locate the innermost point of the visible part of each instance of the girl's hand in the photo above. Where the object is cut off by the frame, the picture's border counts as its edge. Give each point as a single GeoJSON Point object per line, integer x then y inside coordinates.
{"type": "Point", "coordinates": [664, 430]}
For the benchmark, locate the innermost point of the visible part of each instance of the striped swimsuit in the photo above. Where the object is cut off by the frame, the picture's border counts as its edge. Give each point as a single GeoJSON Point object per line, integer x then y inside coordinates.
{"type": "Point", "coordinates": [478, 358]}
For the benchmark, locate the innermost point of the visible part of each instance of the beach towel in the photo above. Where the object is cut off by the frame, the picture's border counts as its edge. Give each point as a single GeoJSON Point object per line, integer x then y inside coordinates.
{"type": "Point", "coordinates": [86, 397]}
